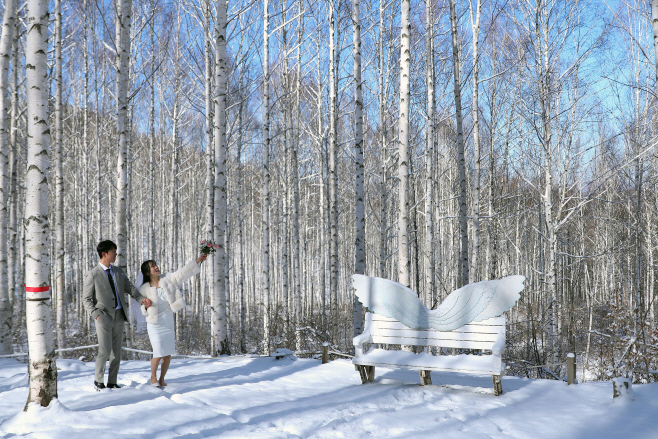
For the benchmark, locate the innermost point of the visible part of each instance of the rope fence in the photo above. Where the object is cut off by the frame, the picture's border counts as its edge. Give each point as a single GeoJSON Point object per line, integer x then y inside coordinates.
{"type": "Point", "coordinates": [139, 351]}
{"type": "Point", "coordinates": [91, 346]}
{"type": "Point", "coordinates": [338, 354]}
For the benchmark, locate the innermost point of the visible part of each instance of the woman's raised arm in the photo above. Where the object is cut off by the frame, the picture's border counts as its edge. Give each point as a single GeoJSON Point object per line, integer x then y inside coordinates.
{"type": "Point", "coordinates": [189, 270]}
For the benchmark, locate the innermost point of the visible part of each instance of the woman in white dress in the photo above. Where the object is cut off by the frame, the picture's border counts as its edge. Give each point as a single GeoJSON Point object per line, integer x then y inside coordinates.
{"type": "Point", "coordinates": [166, 299]}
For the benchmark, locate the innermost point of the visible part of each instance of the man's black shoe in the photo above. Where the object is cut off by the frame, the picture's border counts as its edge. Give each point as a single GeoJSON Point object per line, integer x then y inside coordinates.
{"type": "Point", "coordinates": [113, 386]}
{"type": "Point", "coordinates": [99, 386]}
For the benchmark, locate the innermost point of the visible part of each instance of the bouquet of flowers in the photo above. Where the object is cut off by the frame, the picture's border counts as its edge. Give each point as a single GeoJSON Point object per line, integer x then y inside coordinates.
{"type": "Point", "coordinates": [208, 247]}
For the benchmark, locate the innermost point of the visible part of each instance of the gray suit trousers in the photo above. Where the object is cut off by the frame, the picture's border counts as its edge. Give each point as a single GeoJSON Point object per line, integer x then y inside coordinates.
{"type": "Point", "coordinates": [109, 330]}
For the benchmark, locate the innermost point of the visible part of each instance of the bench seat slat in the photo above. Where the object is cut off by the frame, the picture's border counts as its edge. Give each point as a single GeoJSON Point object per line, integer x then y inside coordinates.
{"type": "Point", "coordinates": [440, 337]}
{"type": "Point", "coordinates": [460, 344]}
{"type": "Point", "coordinates": [490, 325]}
{"type": "Point", "coordinates": [472, 364]}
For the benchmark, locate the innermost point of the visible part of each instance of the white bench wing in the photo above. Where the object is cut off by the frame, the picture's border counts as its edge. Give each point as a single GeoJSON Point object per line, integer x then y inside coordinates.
{"type": "Point", "coordinates": [470, 318]}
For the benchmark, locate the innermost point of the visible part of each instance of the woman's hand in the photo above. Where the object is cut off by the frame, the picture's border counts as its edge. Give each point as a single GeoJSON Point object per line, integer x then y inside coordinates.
{"type": "Point", "coordinates": [146, 302]}
{"type": "Point", "coordinates": [201, 258]}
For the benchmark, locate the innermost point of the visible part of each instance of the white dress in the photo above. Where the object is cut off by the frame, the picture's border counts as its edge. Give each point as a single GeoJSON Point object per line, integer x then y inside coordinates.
{"type": "Point", "coordinates": [162, 333]}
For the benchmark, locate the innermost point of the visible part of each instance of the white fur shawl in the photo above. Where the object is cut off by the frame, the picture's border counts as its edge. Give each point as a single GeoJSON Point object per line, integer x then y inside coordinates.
{"type": "Point", "coordinates": [169, 282]}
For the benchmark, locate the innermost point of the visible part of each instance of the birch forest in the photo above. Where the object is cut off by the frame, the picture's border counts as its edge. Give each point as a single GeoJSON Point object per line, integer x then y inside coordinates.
{"type": "Point", "coordinates": [431, 142]}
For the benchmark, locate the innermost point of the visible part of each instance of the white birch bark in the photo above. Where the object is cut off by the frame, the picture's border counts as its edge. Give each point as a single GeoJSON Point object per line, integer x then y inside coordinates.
{"type": "Point", "coordinates": [210, 155]}
{"type": "Point", "coordinates": [333, 171]}
{"type": "Point", "coordinates": [321, 160]}
{"type": "Point", "coordinates": [404, 267]}
{"type": "Point", "coordinates": [547, 197]}
{"type": "Point", "coordinates": [359, 207]}
{"type": "Point", "coordinates": [295, 187]}
{"type": "Point", "coordinates": [218, 319]}
{"type": "Point", "coordinates": [463, 278]}
{"type": "Point", "coordinates": [59, 182]}
{"type": "Point", "coordinates": [210, 161]}
{"type": "Point", "coordinates": [654, 26]}
{"type": "Point", "coordinates": [151, 201]}
{"type": "Point", "coordinates": [99, 171]}
{"type": "Point", "coordinates": [173, 199]}
{"type": "Point", "coordinates": [240, 256]}
{"type": "Point", "coordinates": [490, 256]}
{"type": "Point", "coordinates": [381, 97]}
{"type": "Point", "coordinates": [42, 367]}
{"type": "Point", "coordinates": [265, 206]}
{"type": "Point", "coordinates": [86, 147]}
{"type": "Point", "coordinates": [13, 290]}
{"type": "Point", "coordinates": [429, 153]}
{"type": "Point", "coordinates": [123, 23]}
{"type": "Point", "coordinates": [6, 41]}
{"type": "Point", "coordinates": [284, 260]}
{"type": "Point", "coordinates": [475, 114]}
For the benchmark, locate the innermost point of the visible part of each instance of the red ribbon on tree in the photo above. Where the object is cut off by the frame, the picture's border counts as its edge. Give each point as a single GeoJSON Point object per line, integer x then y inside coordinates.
{"type": "Point", "coordinates": [36, 289]}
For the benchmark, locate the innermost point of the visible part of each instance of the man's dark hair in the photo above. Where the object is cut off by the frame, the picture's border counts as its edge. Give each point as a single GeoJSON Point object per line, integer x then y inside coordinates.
{"type": "Point", "coordinates": [105, 247]}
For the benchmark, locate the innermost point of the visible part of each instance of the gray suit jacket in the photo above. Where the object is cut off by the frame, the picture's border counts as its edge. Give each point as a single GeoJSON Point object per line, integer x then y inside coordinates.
{"type": "Point", "coordinates": [97, 294]}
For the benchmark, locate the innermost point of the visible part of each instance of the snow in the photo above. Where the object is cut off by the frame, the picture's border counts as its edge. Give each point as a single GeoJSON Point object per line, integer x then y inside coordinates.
{"type": "Point", "coordinates": [260, 397]}
{"type": "Point", "coordinates": [281, 352]}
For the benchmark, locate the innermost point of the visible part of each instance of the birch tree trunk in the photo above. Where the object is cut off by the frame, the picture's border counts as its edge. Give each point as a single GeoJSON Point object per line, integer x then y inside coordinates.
{"type": "Point", "coordinates": [240, 257]}
{"type": "Point", "coordinates": [333, 171]}
{"type": "Point", "coordinates": [42, 367]}
{"type": "Point", "coordinates": [381, 97]}
{"type": "Point", "coordinates": [547, 197]}
{"type": "Point", "coordinates": [284, 260]}
{"type": "Point", "coordinates": [219, 323]}
{"type": "Point", "coordinates": [59, 182]}
{"type": "Point", "coordinates": [475, 114]}
{"type": "Point", "coordinates": [123, 22]}
{"type": "Point", "coordinates": [151, 206]}
{"type": "Point", "coordinates": [654, 25]}
{"type": "Point", "coordinates": [403, 147]}
{"type": "Point", "coordinates": [13, 285]}
{"type": "Point", "coordinates": [210, 157]}
{"type": "Point", "coordinates": [461, 161]}
{"type": "Point", "coordinates": [429, 154]}
{"type": "Point", "coordinates": [359, 207]}
{"type": "Point", "coordinates": [86, 147]}
{"type": "Point", "coordinates": [99, 171]}
{"type": "Point", "coordinates": [321, 159]}
{"type": "Point", "coordinates": [6, 41]}
{"type": "Point", "coordinates": [295, 187]}
{"type": "Point", "coordinates": [173, 199]}
{"type": "Point", "coordinates": [265, 207]}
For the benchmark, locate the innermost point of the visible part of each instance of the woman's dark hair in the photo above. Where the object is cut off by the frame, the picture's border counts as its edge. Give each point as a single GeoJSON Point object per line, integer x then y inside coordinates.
{"type": "Point", "coordinates": [146, 269]}
{"type": "Point", "coordinates": [105, 247]}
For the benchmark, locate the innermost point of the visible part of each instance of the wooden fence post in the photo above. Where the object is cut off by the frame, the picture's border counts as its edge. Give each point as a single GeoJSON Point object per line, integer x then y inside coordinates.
{"type": "Point", "coordinates": [571, 368]}
{"type": "Point", "coordinates": [325, 352]}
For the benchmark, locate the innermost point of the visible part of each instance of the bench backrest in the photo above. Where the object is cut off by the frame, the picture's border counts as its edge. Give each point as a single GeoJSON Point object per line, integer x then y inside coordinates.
{"type": "Point", "coordinates": [479, 335]}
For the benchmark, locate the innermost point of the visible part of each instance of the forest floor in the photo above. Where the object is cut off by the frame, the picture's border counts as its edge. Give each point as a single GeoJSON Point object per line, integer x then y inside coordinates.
{"type": "Point", "coordinates": [259, 397]}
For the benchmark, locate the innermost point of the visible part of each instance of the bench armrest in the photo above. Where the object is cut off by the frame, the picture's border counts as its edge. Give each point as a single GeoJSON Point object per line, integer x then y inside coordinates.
{"type": "Point", "coordinates": [365, 337]}
{"type": "Point", "coordinates": [497, 349]}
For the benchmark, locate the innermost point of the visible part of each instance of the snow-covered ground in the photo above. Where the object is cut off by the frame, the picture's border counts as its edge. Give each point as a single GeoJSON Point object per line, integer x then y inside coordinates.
{"type": "Point", "coordinates": [253, 397]}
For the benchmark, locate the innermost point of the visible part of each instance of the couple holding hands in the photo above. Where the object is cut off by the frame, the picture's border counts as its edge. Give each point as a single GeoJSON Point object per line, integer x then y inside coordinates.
{"type": "Point", "coordinates": [103, 296]}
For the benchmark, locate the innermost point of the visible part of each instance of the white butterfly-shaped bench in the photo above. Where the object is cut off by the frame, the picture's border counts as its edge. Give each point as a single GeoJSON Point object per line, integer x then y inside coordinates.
{"type": "Point", "coordinates": [469, 318]}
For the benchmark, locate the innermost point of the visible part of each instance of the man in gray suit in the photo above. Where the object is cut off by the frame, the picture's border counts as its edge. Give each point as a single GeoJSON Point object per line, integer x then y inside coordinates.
{"type": "Point", "coordinates": [103, 296]}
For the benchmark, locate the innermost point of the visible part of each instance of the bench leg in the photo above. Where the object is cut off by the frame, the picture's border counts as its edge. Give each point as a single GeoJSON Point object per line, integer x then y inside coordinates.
{"type": "Point", "coordinates": [425, 378]}
{"type": "Point", "coordinates": [371, 374]}
{"type": "Point", "coordinates": [497, 385]}
{"type": "Point", "coordinates": [363, 373]}
{"type": "Point", "coordinates": [367, 374]}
